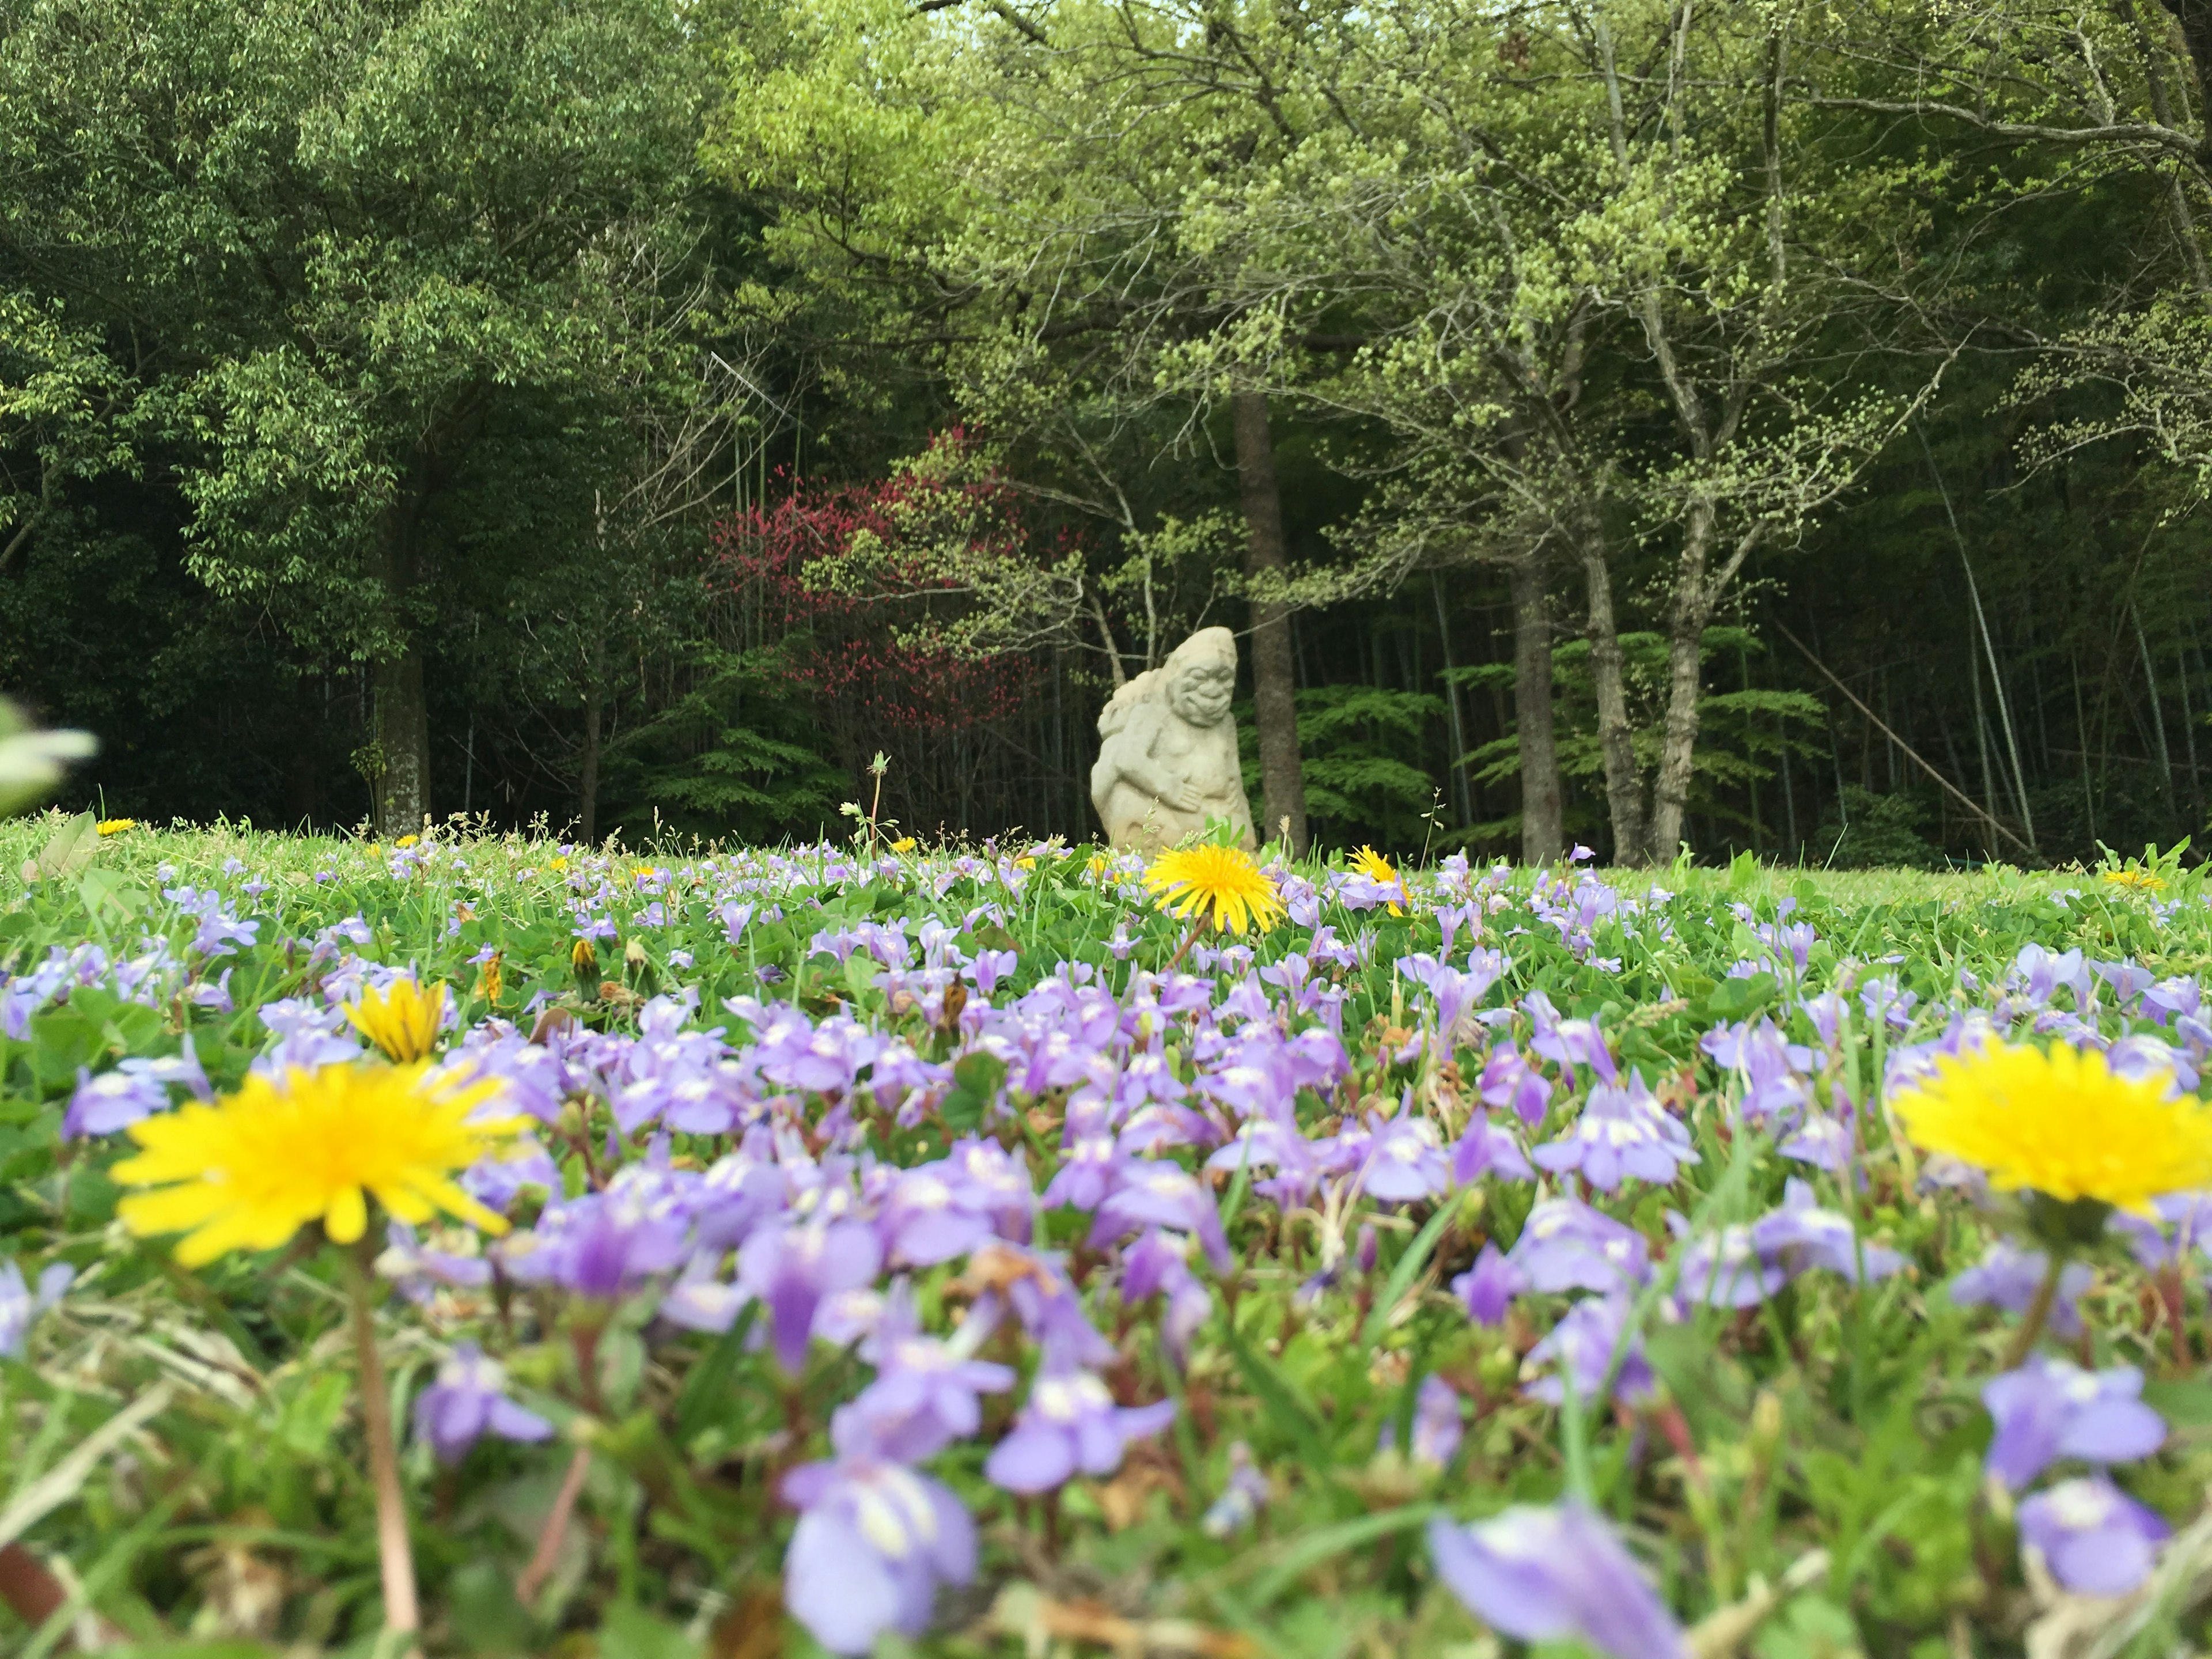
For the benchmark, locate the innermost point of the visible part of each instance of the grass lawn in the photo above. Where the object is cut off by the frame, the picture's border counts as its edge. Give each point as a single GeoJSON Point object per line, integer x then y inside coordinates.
{"type": "Point", "coordinates": [949, 1251]}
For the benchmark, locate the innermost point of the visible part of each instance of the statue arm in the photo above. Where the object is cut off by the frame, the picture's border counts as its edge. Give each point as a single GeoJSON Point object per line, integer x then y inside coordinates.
{"type": "Point", "coordinates": [1135, 763]}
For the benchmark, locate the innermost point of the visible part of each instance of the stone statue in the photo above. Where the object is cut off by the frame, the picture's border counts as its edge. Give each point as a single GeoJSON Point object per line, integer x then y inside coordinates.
{"type": "Point", "coordinates": [1167, 751]}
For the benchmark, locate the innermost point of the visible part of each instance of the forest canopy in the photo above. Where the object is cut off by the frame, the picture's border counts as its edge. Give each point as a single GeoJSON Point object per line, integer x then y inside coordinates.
{"type": "Point", "coordinates": [1776, 426]}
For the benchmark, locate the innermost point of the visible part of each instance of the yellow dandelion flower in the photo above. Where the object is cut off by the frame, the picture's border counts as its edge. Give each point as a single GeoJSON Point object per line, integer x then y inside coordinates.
{"type": "Point", "coordinates": [558, 866]}
{"type": "Point", "coordinates": [2144, 881]}
{"type": "Point", "coordinates": [405, 841]}
{"type": "Point", "coordinates": [904, 844]}
{"type": "Point", "coordinates": [1221, 883]}
{"type": "Point", "coordinates": [115, 826]}
{"type": "Point", "coordinates": [2060, 1122]}
{"type": "Point", "coordinates": [403, 1019]}
{"type": "Point", "coordinates": [1377, 869]}
{"type": "Point", "coordinates": [248, 1172]}
{"type": "Point", "coordinates": [583, 956]}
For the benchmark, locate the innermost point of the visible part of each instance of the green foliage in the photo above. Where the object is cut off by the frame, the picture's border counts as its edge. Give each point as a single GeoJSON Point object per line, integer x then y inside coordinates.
{"type": "Point", "coordinates": [1353, 744]}
{"type": "Point", "coordinates": [730, 757]}
{"type": "Point", "coordinates": [1878, 831]}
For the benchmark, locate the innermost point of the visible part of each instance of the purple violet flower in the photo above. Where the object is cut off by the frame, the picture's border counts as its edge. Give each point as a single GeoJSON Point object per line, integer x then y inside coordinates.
{"type": "Point", "coordinates": [1508, 1079]}
{"type": "Point", "coordinates": [1725, 1270]}
{"type": "Point", "coordinates": [2096, 1539]}
{"type": "Point", "coordinates": [1623, 1132]}
{"type": "Point", "coordinates": [1242, 1496]}
{"type": "Point", "coordinates": [1566, 1245]}
{"type": "Point", "coordinates": [926, 1392]}
{"type": "Point", "coordinates": [792, 1268]}
{"type": "Point", "coordinates": [418, 1272]}
{"type": "Point", "coordinates": [1070, 1423]}
{"type": "Point", "coordinates": [113, 1100]}
{"type": "Point", "coordinates": [1537, 1575]}
{"type": "Point", "coordinates": [2049, 1409]}
{"type": "Point", "coordinates": [2008, 1277]}
{"type": "Point", "coordinates": [1405, 1162]}
{"type": "Point", "coordinates": [1437, 1425]}
{"type": "Point", "coordinates": [874, 1541]}
{"type": "Point", "coordinates": [1586, 1341]}
{"type": "Point", "coordinates": [1160, 1194]}
{"type": "Point", "coordinates": [1158, 1264]}
{"type": "Point", "coordinates": [1801, 1236]}
{"type": "Point", "coordinates": [468, 1401]}
{"type": "Point", "coordinates": [1488, 1148]}
{"type": "Point", "coordinates": [20, 1304]}
{"type": "Point", "coordinates": [1488, 1288]}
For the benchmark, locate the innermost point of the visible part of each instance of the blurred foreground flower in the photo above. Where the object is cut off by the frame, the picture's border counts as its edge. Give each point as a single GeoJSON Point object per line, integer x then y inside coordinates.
{"type": "Point", "coordinates": [2060, 1126]}
{"type": "Point", "coordinates": [31, 763]}
{"type": "Point", "coordinates": [2096, 1539]}
{"type": "Point", "coordinates": [468, 1401]}
{"type": "Point", "coordinates": [874, 1541]}
{"type": "Point", "coordinates": [20, 1304]}
{"type": "Point", "coordinates": [1221, 885]}
{"type": "Point", "coordinates": [403, 1019]}
{"type": "Point", "coordinates": [2059, 1122]}
{"type": "Point", "coordinates": [250, 1171]}
{"type": "Point", "coordinates": [2049, 1409]}
{"type": "Point", "coordinates": [1542, 1575]}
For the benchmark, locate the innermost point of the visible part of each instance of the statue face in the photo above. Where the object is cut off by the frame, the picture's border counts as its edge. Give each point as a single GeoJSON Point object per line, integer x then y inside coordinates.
{"type": "Point", "coordinates": [1201, 693]}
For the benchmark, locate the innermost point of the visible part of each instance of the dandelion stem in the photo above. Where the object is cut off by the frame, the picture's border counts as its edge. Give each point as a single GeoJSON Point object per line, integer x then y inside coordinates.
{"type": "Point", "coordinates": [396, 1559]}
{"type": "Point", "coordinates": [1197, 927]}
{"type": "Point", "coordinates": [2038, 1309]}
{"type": "Point", "coordinates": [555, 1529]}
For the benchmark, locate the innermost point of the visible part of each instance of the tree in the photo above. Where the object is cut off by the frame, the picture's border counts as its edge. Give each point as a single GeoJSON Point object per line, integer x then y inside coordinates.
{"type": "Point", "coordinates": [356, 248]}
{"type": "Point", "coordinates": [1037, 223]}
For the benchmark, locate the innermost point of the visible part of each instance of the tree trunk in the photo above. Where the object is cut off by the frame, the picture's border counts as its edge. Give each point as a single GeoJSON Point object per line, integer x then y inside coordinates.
{"type": "Point", "coordinates": [1624, 783]}
{"type": "Point", "coordinates": [587, 782]}
{"type": "Point", "coordinates": [403, 737]}
{"type": "Point", "coordinates": [1274, 686]}
{"type": "Point", "coordinates": [1540, 840]}
{"type": "Point", "coordinates": [1685, 679]}
{"type": "Point", "coordinates": [1462, 805]}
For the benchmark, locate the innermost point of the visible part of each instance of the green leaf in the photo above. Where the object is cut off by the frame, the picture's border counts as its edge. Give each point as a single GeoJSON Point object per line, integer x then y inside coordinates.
{"type": "Point", "coordinates": [977, 1079]}
{"type": "Point", "coordinates": [1284, 1406]}
{"type": "Point", "coordinates": [1402, 1275]}
{"type": "Point", "coordinates": [2184, 1405]}
{"type": "Point", "coordinates": [709, 1381]}
{"type": "Point", "coordinates": [1740, 999]}
{"type": "Point", "coordinates": [67, 851]}
{"type": "Point", "coordinates": [630, 1632]}
{"type": "Point", "coordinates": [1301, 1554]}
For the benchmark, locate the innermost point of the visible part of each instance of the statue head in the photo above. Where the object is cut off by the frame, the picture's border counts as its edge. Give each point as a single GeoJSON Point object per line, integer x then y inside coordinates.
{"type": "Point", "coordinates": [1201, 677]}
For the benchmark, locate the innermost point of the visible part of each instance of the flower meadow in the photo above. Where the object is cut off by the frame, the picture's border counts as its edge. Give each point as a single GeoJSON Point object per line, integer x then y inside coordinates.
{"type": "Point", "coordinates": [487, 1245]}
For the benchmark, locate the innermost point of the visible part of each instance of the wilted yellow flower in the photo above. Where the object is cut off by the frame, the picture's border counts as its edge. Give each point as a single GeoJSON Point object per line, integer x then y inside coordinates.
{"type": "Point", "coordinates": [115, 826]}
{"type": "Point", "coordinates": [2146, 881]}
{"type": "Point", "coordinates": [583, 956]}
{"type": "Point", "coordinates": [2062, 1122]}
{"type": "Point", "coordinates": [403, 1019]}
{"type": "Point", "coordinates": [1221, 884]}
{"type": "Point", "coordinates": [1377, 869]}
{"type": "Point", "coordinates": [248, 1172]}
{"type": "Point", "coordinates": [490, 981]}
